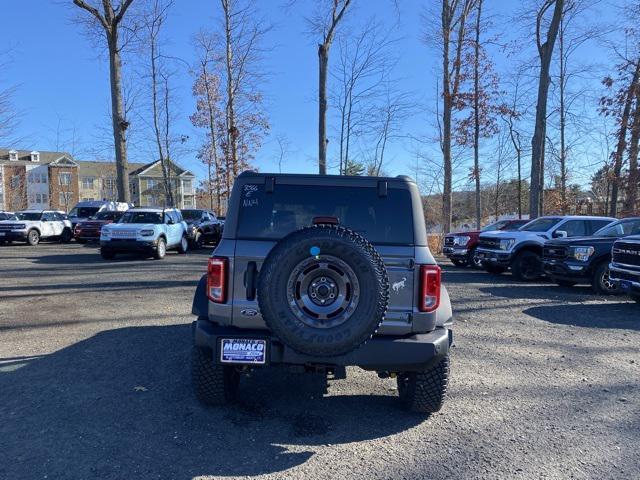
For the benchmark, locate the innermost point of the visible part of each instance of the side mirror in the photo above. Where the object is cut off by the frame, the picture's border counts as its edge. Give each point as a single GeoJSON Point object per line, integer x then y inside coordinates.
{"type": "Point", "coordinates": [560, 234]}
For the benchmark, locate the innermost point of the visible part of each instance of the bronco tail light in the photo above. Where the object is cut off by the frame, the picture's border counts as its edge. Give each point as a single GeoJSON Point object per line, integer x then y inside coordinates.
{"type": "Point", "coordinates": [217, 280]}
{"type": "Point", "coordinates": [430, 276]}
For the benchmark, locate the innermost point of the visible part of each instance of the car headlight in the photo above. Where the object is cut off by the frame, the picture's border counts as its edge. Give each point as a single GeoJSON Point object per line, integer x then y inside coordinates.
{"type": "Point", "coordinates": [105, 232]}
{"type": "Point", "coordinates": [461, 241]}
{"type": "Point", "coordinates": [146, 233]}
{"type": "Point", "coordinates": [582, 254]}
{"type": "Point", "coordinates": [507, 243]}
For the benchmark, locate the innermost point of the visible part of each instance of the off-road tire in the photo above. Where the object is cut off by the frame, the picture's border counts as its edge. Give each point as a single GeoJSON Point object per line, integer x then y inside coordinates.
{"type": "Point", "coordinates": [66, 236]}
{"type": "Point", "coordinates": [213, 384]}
{"type": "Point", "coordinates": [183, 246]}
{"type": "Point", "coordinates": [107, 255]}
{"type": "Point", "coordinates": [301, 332]}
{"type": "Point", "coordinates": [33, 237]}
{"type": "Point", "coordinates": [459, 263]}
{"type": "Point", "coordinates": [521, 267]}
{"type": "Point", "coordinates": [494, 269]}
{"type": "Point", "coordinates": [160, 251]}
{"type": "Point", "coordinates": [565, 283]}
{"type": "Point", "coordinates": [424, 392]}
{"type": "Point", "coordinates": [599, 279]}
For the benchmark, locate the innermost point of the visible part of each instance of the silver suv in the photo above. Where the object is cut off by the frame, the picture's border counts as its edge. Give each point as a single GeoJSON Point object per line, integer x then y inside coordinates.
{"type": "Point", "coordinates": [320, 273]}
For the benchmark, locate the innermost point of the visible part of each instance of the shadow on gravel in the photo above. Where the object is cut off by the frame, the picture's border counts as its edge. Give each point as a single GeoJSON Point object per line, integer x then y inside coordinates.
{"type": "Point", "coordinates": [624, 316]}
{"type": "Point", "coordinates": [533, 291]}
{"type": "Point", "coordinates": [119, 405]}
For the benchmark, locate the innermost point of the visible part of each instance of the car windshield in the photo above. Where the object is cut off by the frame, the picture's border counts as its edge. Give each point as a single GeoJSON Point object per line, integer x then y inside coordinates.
{"type": "Point", "coordinates": [29, 216]}
{"type": "Point", "coordinates": [83, 212]}
{"type": "Point", "coordinates": [541, 224]}
{"type": "Point", "coordinates": [269, 216]}
{"type": "Point", "coordinates": [495, 226]}
{"type": "Point", "coordinates": [106, 215]}
{"type": "Point", "coordinates": [141, 217]}
{"type": "Point", "coordinates": [191, 214]}
{"type": "Point", "coordinates": [620, 229]}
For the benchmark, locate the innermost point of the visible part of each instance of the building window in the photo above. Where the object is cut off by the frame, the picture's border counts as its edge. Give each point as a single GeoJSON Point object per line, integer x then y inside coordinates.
{"type": "Point", "coordinates": [64, 178]}
{"type": "Point", "coordinates": [35, 156]}
{"type": "Point", "coordinates": [15, 181]}
{"type": "Point", "coordinates": [43, 178]}
{"type": "Point", "coordinates": [88, 199]}
{"type": "Point", "coordinates": [188, 202]}
{"type": "Point", "coordinates": [187, 186]}
{"type": "Point", "coordinates": [110, 183]}
{"type": "Point", "coordinates": [88, 183]}
{"type": "Point", "coordinates": [65, 198]}
{"type": "Point", "coordinates": [13, 155]}
{"type": "Point", "coordinates": [151, 183]}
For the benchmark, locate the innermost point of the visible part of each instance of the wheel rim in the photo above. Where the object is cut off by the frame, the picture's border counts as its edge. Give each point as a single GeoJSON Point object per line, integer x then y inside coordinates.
{"type": "Point", "coordinates": [475, 259]}
{"type": "Point", "coordinates": [33, 237]}
{"type": "Point", "coordinates": [323, 292]}
{"type": "Point", "coordinates": [606, 283]}
{"type": "Point", "coordinates": [161, 249]}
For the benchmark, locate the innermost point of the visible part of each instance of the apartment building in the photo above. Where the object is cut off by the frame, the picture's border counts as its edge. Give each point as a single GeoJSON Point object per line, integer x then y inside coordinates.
{"type": "Point", "coordinates": [38, 179]}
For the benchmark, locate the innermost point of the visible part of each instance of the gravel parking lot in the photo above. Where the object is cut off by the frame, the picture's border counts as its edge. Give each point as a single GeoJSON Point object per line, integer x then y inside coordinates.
{"type": "Point", "coordinates": [94, 383]}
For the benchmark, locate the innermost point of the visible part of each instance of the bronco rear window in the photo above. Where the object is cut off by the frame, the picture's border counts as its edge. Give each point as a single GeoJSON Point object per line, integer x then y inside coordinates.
{"type": "Point", "coordinates": [382, 220]}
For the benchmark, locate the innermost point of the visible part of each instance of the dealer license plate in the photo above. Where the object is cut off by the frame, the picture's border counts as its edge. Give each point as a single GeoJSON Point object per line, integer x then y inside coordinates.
{"type": "Point", "coordinates": [243, 350]}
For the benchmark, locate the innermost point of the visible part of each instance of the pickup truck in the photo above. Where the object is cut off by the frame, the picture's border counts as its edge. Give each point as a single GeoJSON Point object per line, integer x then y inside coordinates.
{"type": "Point", "coordinates": [625, 266]}
{"type": "Point", "coordinates": [585, 260]}
{"type": "Point", "coordinates": [521, 251]}
{"type": "Point", "coordinates": [461, 247]}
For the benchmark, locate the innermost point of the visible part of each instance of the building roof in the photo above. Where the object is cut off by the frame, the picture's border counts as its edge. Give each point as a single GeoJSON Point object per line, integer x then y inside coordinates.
{"type": "Point", "coordinates": [95, 168]}
{"type": "Point", "coordinates": [24, 156]}
{"type": "Point", "coordinates": [178, 170]}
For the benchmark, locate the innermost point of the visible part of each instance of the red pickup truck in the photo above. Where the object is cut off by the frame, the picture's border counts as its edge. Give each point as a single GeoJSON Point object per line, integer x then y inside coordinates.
{"type": "Point", "coordinates": [460, 247]}
{"type": "Point", "coordinates": [89, 230]}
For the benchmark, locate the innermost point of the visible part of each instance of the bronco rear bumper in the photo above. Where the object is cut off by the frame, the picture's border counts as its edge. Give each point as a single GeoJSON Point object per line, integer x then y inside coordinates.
{"type": "Point", "coordinates": [415, 352]}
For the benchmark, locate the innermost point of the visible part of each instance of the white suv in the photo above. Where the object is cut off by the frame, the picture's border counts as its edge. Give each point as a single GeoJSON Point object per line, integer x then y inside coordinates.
{"type": "Point", "coordinates": [521, 250]}
{"type": "Point", "coordinates": [31, 226]}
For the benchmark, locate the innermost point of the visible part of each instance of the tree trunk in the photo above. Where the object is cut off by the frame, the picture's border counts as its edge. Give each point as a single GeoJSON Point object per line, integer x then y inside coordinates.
{"type": "Point", "coordinates": [446, 122]}
{"type": "Point", "coordinates": [476, 117]}
{"type": "Point", "coordinates": [214, 143]}
{"type": "Point", "coordinates": [232, 134]}
{"type": "Point", "coordinates": [563, 150]}
{"type": "Point", "coordinates": [120, 123]}
{"type": "Point", "coordinates": [631, 196]}
{"type": "Point", "coordinates": [622, 143]}
{"type": "Point", "coordinates": [537, 142]}
{"type": "Point", "coordinates": [323, 59]}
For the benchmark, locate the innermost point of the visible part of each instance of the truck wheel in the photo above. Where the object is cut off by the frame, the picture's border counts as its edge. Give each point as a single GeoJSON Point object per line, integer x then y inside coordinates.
{"type": "Point", "coordinates": [161, 249]}
{"type": "Point", "coordinates": [213, 384]}
{"type": "Point", "coordinates": [601, 282]}
{"type": "Point", "coordinates": [183, 246]}
{"type": "Point", "coordinates": [33, 238]}
{"type": "Point", "coordinates": [323, 290]}
{"type": "Point", "coordinates": [527, 266]}
{"type": "Point", "coordinates": [459, 263]}
{"type": "Point", "coordinates": [66, 236]}
{"type": "Point", "coordinates": [107, 255]}
{"type": "Point", "coordinates": [495, 269]}
{"type": "Point", "coordinates": [474, 259]}
{"type": "Point", "coordinates": [424, 392]}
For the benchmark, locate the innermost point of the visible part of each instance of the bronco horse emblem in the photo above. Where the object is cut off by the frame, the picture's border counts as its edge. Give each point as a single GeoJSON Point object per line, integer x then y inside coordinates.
{"type": "Point", "coordinates": [397, 286]}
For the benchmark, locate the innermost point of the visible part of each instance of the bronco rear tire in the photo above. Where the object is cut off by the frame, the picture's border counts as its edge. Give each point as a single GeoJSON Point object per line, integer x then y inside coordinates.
{"type": "Point", "coordinates": [213, 384]}
{"type": "Point", "coordinates": [424, 392]}
{"type": "Point", "coordinates": [323, 290]}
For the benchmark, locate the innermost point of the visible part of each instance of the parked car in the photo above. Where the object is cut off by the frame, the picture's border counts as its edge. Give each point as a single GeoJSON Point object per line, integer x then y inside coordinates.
{"type": "Point", "coordinates": [202, 227]}
{"type": "Point", "coordinates": [317, 273]}
{"type": "Point", "coordinates": [89, 230]}
{"type": "Point", "coordinates": [150, 231]}
{"type": "Point", "coordinates": [521, 251]}
{"type": "Point", "coordinates": [625, 266]}
{"type": "Point", "coordinates": [6, 215]}
{"type": "Point", "coordinates": [461, 247]}
{"type": "Point", "coordinates": [31, 226]}
{"type": "Point", "coordinates": [585, 260]}
{"type": "Point", "coordinates": [87, 209]}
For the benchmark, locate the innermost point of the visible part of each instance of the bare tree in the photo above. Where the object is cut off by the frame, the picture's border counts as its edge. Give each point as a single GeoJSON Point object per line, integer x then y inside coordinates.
{"type": "Point", "coordinates": [545, 53]}
{"type": "Point", "coordinates": [633, 180]}
{"type": "Point", "coordinates": [284, 147]}
{"type": "Point", "coordinates": [110, 20]}
{"type": "Point", "coordinates": [325, 24]}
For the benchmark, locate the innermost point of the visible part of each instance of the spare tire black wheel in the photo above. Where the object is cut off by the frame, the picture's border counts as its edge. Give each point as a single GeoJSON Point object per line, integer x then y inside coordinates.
{"type": "Point", "coordinates": [323, 290]}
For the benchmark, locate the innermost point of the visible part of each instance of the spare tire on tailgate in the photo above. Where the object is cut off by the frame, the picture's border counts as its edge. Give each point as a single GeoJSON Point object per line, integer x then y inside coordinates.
{"type": "Point", "coordinates": [323, 290]}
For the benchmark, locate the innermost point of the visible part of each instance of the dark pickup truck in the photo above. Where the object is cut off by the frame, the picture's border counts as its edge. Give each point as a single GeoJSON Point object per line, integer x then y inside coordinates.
{"type": "Point", "coordinates": [585, 260]}
{"type": "Point", "coordinates": [625, 265]}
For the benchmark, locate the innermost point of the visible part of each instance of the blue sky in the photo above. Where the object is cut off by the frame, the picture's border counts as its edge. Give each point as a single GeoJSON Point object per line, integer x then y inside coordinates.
{"type": "Point", "coordinates": [63, 90]}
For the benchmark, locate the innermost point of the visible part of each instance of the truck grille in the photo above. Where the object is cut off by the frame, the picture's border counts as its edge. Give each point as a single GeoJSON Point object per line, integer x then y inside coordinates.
{"type": "Point", "coordinates": [490, 243]}
{"type": "Point", "coordinates": [554, 252]}
{"type": "Point", "coordinates": [11, 226]}
{"type": "Point", "coordinates": [123, 234]}
{"type": "Point", "coordinates": [448, 241]}
{"type": "Point", "coordinates": [627, 253]}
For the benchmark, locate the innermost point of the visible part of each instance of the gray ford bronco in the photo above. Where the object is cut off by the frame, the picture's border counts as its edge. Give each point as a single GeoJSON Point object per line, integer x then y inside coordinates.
{"type": "Point", "coordinates": [317, 273]}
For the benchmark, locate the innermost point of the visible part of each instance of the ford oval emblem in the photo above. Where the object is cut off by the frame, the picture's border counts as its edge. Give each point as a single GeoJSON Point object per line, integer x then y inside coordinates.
{"type": "Point", "coordinates": [249, 312]}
